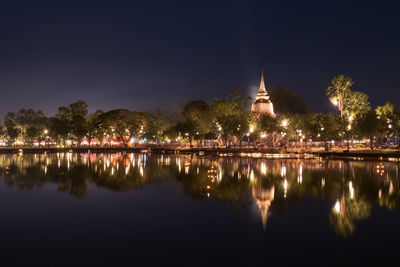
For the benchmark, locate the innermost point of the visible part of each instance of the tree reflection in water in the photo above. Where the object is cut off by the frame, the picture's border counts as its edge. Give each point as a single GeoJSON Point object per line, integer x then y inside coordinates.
{"type": "Point", "coordinates": [274, 186]}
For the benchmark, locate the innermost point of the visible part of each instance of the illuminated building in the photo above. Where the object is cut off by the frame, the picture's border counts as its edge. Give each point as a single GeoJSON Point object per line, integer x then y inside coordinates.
{"type": "Point", "coordinates": [262, 104]}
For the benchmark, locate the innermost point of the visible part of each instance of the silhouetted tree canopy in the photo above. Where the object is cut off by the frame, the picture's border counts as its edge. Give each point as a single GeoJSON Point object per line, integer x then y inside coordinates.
{"type": "Point", "coordinates": [287, 101]}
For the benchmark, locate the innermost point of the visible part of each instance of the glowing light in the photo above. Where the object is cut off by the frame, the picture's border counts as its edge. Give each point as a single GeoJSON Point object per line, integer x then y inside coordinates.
{"type": "Point", "coordinates": [263, 168]}
{"type": "Point", "coordinates": [349, 127]}
{"type": "Point", "coordinates": [390, 188]}
{"type": "Point", "coordinates": [127, 170]}
{"type": "Point", "coordinates": [251, 175]}
{"type": "Point", "coordinates": [300, 175]}
{"type": "Point", "coordinates": [263, 135]}
{"type": "Point", "coordinates": [141, 170]}
{"type": "Point", "coordinates": [284, 123]}
{"type": "Point", "coordinates": [351, 189]}
{"type": "Point", "coordinates": [336, 208]}
{"type": "Point", "coordinates": [285, 186]}
{"type": "Point", "coordinates": [251, 129]}
{"type": "Point", "coordinates": [335, 101]}
{"type": "Point", "coordinates": [283, 171]}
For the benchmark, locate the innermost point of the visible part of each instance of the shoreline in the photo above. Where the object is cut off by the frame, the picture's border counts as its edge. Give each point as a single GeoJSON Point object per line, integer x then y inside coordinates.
{"type": "Point", "coordinates": [242, 152]}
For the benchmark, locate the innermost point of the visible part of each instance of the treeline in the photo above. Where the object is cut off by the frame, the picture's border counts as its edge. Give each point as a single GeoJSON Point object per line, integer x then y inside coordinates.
{"type": "Point", "coordinates": [74, 123]}
{"type": "Point", "coordinates": [223, 121]}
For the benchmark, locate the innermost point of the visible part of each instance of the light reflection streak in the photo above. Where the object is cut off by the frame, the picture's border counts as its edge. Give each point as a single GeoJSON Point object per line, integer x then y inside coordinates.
{"type": "Point", "coordinates": [263, 168]}
{"type": "Point", "coordinates": [285, 186]}
{"type": "Point", "coordinates": [351, 190]}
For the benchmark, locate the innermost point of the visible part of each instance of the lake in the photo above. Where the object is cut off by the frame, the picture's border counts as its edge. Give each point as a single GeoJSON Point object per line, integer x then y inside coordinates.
{"type": "Point", "coordinates": [69, 209]}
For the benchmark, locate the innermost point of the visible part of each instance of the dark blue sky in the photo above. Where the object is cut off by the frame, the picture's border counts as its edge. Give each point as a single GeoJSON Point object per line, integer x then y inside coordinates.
{"type": "Point", "coordinates": [143, 54]}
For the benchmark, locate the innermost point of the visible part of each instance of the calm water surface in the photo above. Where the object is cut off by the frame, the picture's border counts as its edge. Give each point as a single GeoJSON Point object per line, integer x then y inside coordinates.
{"type": "Point", "coordinates": [136, 209]}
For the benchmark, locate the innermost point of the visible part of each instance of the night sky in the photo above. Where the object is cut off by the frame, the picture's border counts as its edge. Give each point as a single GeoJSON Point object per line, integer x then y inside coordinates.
{"type": "Point", "coordinates": [144, 54]}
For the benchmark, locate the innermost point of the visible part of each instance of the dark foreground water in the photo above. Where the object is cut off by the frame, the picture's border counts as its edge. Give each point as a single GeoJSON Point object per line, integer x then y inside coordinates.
{"type": "Point", "coordinates": [136, 209]}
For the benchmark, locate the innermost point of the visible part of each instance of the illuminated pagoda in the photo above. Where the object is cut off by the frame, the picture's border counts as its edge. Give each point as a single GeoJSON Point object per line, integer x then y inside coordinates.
{"type": "Point", "coordinates": [264, 198]}
{"type": "Point", "coordinates": [262, 104]}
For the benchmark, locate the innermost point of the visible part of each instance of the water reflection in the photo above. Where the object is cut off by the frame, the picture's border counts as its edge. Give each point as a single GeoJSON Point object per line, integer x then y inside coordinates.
{"type": "Point", "coordinates": [274, 186]}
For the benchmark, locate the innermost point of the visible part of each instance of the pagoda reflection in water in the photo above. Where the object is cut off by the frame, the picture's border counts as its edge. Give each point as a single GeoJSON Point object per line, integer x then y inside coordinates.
{"type": "Point", "coordinates": [273, 185]}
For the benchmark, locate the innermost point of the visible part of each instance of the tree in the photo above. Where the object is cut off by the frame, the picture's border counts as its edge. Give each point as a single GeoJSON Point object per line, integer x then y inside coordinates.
{"type": "Point", "coordinates": [29, 119]}
{"type": "Point", "coordinates": [326, 126]}
{"type": "Point", "coordinates": [243, 119]}
{"type": "Point", "coordinates": [268, 127]}
{"type": "Point", "coordinates": [154, 126]}
{"type": "Point", "coordinates": [94, 124]}
{"type": "Point", "coordinates": [78, 119]}
{"type": "Point", "coordinates": [355, 104]}
{"type": "Point", "coordinates": [390, 117]}
{"type": "Point", "coordinates": [231, 114]}
{"type": "Point", "coordinates": [186, 129]}
{"type": "Point", "coordinates": [37, 129]}
{"type": "Point", "coordinates": [60, 126]}
{"type": "Point", "coordinates": [369, 126]}
{"type": "Point", "coordinates": [122, 123]}
{"type": "Point", "coordinates": [2, 131]}
{"type": "Point", "coordinates": [197, 113]}
{"type": "Point", "coordinates": [287, 102]}
{"type": "Point", "coordinates": [351, 104]}
{"type": "Point", "coordinates": [338, 90]}
{"type": "Point", "coordinates": [12, 129]}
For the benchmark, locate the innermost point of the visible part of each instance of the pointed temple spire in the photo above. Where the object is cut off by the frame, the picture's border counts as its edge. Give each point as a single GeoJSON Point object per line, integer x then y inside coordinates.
{"type": "Point", "coordinates": [262, 89]}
